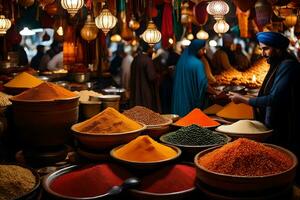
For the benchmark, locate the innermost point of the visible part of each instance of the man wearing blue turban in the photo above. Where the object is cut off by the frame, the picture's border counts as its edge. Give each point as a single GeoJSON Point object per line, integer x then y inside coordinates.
{"type": "Point", "coordinates": [278, 101]}
{"type": "Point", "coordinates": [190, 82]}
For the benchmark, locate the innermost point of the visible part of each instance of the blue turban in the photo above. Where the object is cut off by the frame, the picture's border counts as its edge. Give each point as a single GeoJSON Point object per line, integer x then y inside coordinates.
{"type": "Point", "coordinates": [273, 39]}
{"type": "Point", "coordinates": [196, 45]}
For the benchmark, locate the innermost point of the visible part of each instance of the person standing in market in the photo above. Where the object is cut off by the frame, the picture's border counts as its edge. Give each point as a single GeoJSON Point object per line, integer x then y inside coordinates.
{"type": "Point", "coordinates": [144, 81]}
{"type": "Point", "coordinates": [190, 82]}
{"type": "Point", "coordinates": [277, 104]}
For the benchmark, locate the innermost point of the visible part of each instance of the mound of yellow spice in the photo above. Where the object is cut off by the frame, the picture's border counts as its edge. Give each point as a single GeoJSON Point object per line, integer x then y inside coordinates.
{"type": "Point", "coordinates": [236, 111]}
{"type": "Point", "coordinates": [24, 80]}
{"type": "Point", "coordinates": [45, 92]}
{"type": "Point", "coordinates": [245, 157]}
{"type": "Point", "coordinates": [108, 121]}
{"type": "Point", "coordinates": [145, 149]}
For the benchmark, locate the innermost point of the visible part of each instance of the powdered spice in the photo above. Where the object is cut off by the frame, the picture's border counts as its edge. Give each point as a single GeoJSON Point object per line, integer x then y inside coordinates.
{"type": "Point", "coordinates": [245, 157]}
{"type": "Point", "coordinates": [145, 149]}
{"type": "Point", "coordinates": [197, 117]}
{"type": "Point", "coordinates": [145, 116]}
{"type": "Point", "coordinates": [45, 92]}
{"type": "Point", "coordinates": [108, 121]}
{"type": "Point", "coordinates": [90, 181]}
{"type": "Point", "coordinates": [24, 80]}
{"type": "Point", "coordinates": [236, 111]}
{"type": "Point", "coordinates": [174, 178]}
{"type": "Point", "coordinates": [15, 181]}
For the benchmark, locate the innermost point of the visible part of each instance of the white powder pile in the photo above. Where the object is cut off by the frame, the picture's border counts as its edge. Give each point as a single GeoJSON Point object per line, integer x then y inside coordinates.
{"type": "Point", "coordinates": [244, 127]}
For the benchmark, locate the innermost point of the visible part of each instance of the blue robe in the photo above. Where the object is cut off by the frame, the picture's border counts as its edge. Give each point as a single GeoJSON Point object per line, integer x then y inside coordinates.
{"type": "Point", "coordinates": [190, 82]}
{"type": "Point", "coordinates": [281, 105]}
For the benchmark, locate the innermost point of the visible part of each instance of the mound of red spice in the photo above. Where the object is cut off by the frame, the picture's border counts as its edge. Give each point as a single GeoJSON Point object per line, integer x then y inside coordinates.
{"type": "Point", "coordinates": [197, 117]}
{"type": "Point", "coordinates": [174, 178]}
{"type": "Point", "coordinates": [245, 157]}
{"type": "Point", "coordinates": [89, 181]}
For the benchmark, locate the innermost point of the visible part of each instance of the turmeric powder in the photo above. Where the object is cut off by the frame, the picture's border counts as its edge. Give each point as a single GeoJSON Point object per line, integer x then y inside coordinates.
{"type": "Point", "coordinates": [23, 80]}
{"type": "Point", "coordinates": [212, 110]}
{"type": "Point", "coordinates": [145, 149]}
{"type": "Point", "coordinates": [236, 111]}
{"type": "Point", "coordinates": [45, 92]}
{"type": "Point", "coordinates": [108, 121]}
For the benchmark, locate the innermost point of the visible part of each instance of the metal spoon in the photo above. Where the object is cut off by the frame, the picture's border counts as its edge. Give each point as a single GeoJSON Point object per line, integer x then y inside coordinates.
{"type": "Point", "coordinates": [130, 182]}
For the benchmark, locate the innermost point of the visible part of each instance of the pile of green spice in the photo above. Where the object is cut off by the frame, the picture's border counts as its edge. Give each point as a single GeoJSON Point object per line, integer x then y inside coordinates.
{"type": "Point", "coordinates": [194, 135]}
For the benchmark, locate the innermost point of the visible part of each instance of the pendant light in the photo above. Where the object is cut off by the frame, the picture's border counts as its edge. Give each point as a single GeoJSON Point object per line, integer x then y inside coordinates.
{"type": "Point", "coordinates": [151, 35]}
{"type": "Point", "coordinates": [89, 31]}
{"type": "Point", "coordinates": [221, 26]}
{"type": "Point", "coordinates": [106, 21]}
{"type": "Point", "coordinates": [5, 24]}
{"type": "Point", "coordinates": [202, 35]}
{"type": "Point", "coordinates": [218, 9]}
{"type": "Point", "coordinates": [72, 6]}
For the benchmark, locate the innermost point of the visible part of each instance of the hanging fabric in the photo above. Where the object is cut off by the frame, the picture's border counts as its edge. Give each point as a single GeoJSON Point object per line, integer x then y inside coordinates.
{"type": "Point", "coordinates": [167, 24]}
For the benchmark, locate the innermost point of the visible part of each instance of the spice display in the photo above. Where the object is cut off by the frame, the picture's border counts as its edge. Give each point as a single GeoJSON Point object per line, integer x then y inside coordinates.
{"type": "Point", "coordinates": [45, 92]}
{"type": "Point", "coordinates": [145, 149]}
{"type": "Point", "coordinates": [245, 157]}
{"type": "Point", "coordinates": [145, 116]}
{"type": "Point", "coordinates": [236, 111]}
{"type": "Point", "coordinates": [108, 121]}
{"type": "Point", "coordinates": [212, 110]}
{"type": "Point", "coordinates": [174, 178]}
{"type": "Point", "coordinates": [244, 126]}
{"type": "Point", "coordinates": [252, 78]}
{"type": "Point", "coordinates": [24, 80]}
{"type": "Point", "coordinates": [194, 135]}
{"type": "Point", "coordinates": [4, 99]}
{"type": "Point", "coordinates": [84, 95]}
{"type": "Point", "coordinates": [196, 116]}
{"type": "Point", "coordinates": [15, 181]}
{"type": "Point", "coordinates": [90, 181]}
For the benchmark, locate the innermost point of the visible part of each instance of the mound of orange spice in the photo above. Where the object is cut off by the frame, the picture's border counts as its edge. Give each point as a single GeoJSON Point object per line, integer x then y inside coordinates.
{"type": "Point", "coordinates": [197, 117]}
{"type": "Point", "coordinates": [245, 157]}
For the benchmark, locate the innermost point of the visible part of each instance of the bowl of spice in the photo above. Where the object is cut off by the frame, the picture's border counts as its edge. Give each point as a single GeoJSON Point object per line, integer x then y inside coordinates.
{"type": "Point", "coordinates": [107, 129]}
{"type": "Point", "coordinates": [197, 117]}
{"type": "Point", "coordinates": [84, 182]}
{"type": "Point", "coordinates": [18, 182]}
{"type": "Point", "coordinates": [155, 122]}
{"type": "Point", "coordinates": [246, 166]}
{"type": "Point", "coordinates": [250, 129]}
{"type": "Point", "coordinates": [193, 139]}
{"type": "Point", "coordinates": [145, 153]}
{"type": "Point", "coordinates": [174, 182]}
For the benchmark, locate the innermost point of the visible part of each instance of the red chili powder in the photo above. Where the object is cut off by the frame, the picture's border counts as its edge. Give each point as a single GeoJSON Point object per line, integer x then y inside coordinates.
{"type": "Point", "coordinates": [197, 117]}
{"type": "Point", "coordinates": [175, 178]}
{"type": "Point", "coordinates": [245, 157]}
{"type": "Point", "coordinates": [89, 181]}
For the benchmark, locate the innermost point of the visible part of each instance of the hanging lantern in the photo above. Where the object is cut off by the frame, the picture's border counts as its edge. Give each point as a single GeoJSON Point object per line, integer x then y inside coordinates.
{"type": "Point", "coordinates": [116, 38]}
{"type": "Point", "coordinates": [133, 24]}
{"type": "Point", "coordinates": [89, 31]}
{"type": "Point", "coordinates": [5, 24]}
{"type": "Point", "coordinates": [217, 9]}
{"type": "Point", "coordinates": [263, 11]}
{"type": "Point", "coordinates": [190, 36]}
{"type": "Point", "coordinates": [185, 13]}
{"type": "Point", "coordinates": [202, 35]}
{"type": "Point", "coordinates": [106, 21]}
{"type": "Point", "coordinates": [26, 3]}
{"type": "Point", "coordinates": [151, 34]}
{"type": "Point", "coordinates": [221, 26]}
{"type": "Point", "coordinates": [60, 31]}
{"type": "Point", "coordinates": [44, 3]}
{"type": "Point", "coordinates": [72, 6]}
{"type": "Point", "coordinates": [290, 20]}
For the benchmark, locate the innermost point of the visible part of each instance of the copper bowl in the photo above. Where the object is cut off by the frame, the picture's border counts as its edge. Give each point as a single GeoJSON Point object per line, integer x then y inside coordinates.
{"type": "Point", "coordinates": [246, 184]}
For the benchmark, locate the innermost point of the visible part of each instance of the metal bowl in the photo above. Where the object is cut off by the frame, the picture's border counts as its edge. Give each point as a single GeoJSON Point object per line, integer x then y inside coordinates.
{"type": "Point", "coordinates": [80, 77]}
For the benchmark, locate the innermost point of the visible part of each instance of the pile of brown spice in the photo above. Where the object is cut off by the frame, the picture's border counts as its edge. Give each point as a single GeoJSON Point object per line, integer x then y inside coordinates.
{"type": "Point", "coordinates": [245, 157]}
{"type": "Point", "coordinates": [145, 116]}
{"type": "Point", "coordinates": [15, 181]}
